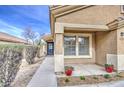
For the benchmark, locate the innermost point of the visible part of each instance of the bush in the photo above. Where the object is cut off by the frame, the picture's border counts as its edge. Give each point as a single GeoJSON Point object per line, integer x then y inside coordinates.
{"type": "Point", "coordinates": [107, 76]}
{"type": "Point", "coordinates": [31, 52]}
{"type": "Point", "coordinates": [10, 60]}
{"type": "Point", "coordinates": [95, 77]}
{"type": "Point", "coordinates": [67, 80]}
{"type": "Point", "coordinates": [118, 75]}
{"type": "Point", "coordinates": [40, 51]}
{"type": "Point", "coordinates": [14, 47]}
{"type": "Point", "coordinates": [69, 67]}
{"type": "Point", "coordinates": [82, 78]}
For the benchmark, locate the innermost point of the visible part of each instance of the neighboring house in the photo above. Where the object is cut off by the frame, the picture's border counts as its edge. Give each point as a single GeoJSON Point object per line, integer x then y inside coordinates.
{"type": "Point", "coordinates": [87, 34]}
{"type": "Point", "coordinates": [6, 39]}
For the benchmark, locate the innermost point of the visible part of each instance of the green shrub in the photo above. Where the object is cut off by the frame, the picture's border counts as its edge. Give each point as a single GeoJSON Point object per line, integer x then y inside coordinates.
{"type": "Point", "coordinates": [31, 53]}
{"type": "Point", "coordinates": [69, 67]}
{"type": "Point", "coordinates": [10, 61]}
{"type": "Point", "coordinates": [95, 77]}
{"type": "Point", "coordinates": [107, 76]}
{"type": "Point", "coordinates": [67, 80]}
{"type": "Point", "coordinates": [15, 47]}
{"type": "Point", "coordinates": [82, 78]}
{"type": "Point", "coordinates": [118, 75]}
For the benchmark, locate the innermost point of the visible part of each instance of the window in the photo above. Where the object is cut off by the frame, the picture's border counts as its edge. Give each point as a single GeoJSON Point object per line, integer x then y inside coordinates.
{"type": "Point", "coordinates": [83, 45]}
{"type": "Point", "coordinates": [78, 46]}
{"type": "Point", "coordinates": [69, 45]}
{"type": "Point", "coordinates": [122, 8]}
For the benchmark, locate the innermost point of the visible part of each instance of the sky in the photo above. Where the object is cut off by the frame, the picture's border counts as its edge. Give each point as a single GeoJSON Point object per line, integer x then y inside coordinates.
{"type": "Point", "coordinates": [15, 19]}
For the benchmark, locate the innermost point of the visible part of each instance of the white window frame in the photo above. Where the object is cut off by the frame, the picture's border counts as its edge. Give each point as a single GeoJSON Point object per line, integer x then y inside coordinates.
{"type": "Point", "coordinates": [122, 9]}
{"type": "Point", "coordinates": [77, 44]}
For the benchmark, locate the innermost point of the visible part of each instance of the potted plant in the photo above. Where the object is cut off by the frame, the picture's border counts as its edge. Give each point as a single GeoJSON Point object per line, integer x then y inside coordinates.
{"type": "Point", "coordinates": [109, 68]}
{"type": "Point", "coordinates": [68, 70]}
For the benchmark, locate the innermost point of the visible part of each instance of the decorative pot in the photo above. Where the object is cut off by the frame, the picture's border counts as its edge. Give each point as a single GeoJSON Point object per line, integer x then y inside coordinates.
{"type": "Point", "coordinates": [109, 69]}
{"type": "Point", "coordinates": [68, 72]}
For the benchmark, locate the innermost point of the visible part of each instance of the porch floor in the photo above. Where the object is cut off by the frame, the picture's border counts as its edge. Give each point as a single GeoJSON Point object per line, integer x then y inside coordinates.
{"type": "Point", "coordinates": [87, 69]}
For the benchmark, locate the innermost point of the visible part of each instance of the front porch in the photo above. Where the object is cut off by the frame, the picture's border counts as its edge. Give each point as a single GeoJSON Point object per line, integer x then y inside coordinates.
{"type": "Point", "coordinates": [86, 70]}
{"type": "Point", "coordinates": [85, 43]}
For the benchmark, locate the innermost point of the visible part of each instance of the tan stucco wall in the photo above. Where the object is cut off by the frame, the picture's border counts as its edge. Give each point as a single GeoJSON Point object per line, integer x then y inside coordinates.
{"type": "Point", "coordinates": [83, 60]}
{"type": "Point", "coordinates": [106, 43]}
{"type": "Point", "coordinates": [120, 50]}
{"type": "Point", "coordinates": [58, 44]}
{"type": "Point", "coordinates": [93, 15]}
{"type": "Point", "coordinates": [120, 42]}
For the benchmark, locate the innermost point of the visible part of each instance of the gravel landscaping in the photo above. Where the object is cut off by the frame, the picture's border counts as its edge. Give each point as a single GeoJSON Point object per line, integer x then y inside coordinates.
{"type": "Point", "coordinates": [94, 79]}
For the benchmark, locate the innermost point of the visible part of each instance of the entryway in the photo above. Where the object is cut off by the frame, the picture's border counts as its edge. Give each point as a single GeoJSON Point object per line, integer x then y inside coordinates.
{"type": "Point", "coordinates": [50, 48]}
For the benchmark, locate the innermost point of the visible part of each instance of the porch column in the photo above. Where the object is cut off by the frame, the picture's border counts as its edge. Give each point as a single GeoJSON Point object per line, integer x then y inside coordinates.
{"type": "Point", "coordinates": [58, 45]}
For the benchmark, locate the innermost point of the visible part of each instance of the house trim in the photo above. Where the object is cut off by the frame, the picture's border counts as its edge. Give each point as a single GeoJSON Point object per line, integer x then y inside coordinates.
{"type": "Point", "coordinates": [77, 8]}
{"type": "Point", "coordinates": [121, 8]}
{"type": "Point", "coordinates": [89, 27]}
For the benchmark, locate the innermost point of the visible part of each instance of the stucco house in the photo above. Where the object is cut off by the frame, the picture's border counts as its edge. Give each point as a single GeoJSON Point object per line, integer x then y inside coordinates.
{"type": "Point", "coordinates": [82, 34]}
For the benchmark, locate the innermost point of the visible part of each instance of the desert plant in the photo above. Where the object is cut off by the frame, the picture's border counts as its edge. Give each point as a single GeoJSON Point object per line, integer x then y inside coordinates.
{"type": "Point", "coordinates": [107, 76]}
{"type": "Point", "coordinates": [69, 67]}
{"type": "Point", "coordinates": [95, 77]}
{"type": "Point", "coordinates": [30, 52]}
{"type": "Point", "coordinates": [118, 75]}
{"type": "Point", "coordinates": [14, 47]}
{"type": "Point", "coordinates": [67, 80]}
{"type": "Point", "coordinates": [82, 78]}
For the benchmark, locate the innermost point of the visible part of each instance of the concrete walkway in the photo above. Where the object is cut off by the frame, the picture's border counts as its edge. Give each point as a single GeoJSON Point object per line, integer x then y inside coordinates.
{"type": "Point", "coordinates": [44, 77]}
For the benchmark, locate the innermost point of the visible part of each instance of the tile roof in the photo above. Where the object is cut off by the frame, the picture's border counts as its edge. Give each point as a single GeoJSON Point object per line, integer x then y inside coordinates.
{"type": "Point", "coordinates": [9, 38]}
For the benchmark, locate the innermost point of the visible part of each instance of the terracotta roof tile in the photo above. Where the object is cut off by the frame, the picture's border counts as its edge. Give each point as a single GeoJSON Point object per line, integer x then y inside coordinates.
{"type": "Point", "coordinates": [9, 38]}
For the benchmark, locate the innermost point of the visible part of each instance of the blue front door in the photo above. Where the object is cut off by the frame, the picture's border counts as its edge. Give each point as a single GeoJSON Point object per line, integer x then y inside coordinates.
{"type": "Point", "coordinates": [50, 48]}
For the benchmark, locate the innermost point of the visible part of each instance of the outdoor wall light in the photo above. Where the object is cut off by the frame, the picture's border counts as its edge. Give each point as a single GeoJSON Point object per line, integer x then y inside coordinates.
{"type": "Point", "coordinates": [122, 34]}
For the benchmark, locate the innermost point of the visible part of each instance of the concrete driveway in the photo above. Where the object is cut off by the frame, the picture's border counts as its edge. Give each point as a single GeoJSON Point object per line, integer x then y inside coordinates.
{"type": "Point", "coordinates": [44, 77]}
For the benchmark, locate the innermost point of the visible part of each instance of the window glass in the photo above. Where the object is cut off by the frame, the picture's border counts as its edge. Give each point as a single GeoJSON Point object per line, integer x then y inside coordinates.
{"type": "Point", "coordinates": [83, 47]}
{"type": "Point", "coordinates": [69, 45]}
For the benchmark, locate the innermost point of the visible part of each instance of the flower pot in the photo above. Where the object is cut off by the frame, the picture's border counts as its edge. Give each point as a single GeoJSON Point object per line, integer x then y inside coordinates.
{"type": "Point", "coordinates": [109, 69]}
{"type": "Point", "coordinates": [68, 72]}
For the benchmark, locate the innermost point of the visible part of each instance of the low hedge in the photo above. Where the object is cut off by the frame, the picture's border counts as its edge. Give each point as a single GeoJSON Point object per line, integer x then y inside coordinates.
{"type": "Point", "coordinates": [10, 60]}
{"type": "Point", "coordinates": [31, 53]}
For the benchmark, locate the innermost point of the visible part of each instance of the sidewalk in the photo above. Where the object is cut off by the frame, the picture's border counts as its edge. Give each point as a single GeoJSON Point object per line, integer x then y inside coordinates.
{"type": "Point", "coordinates": [44, 77]}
